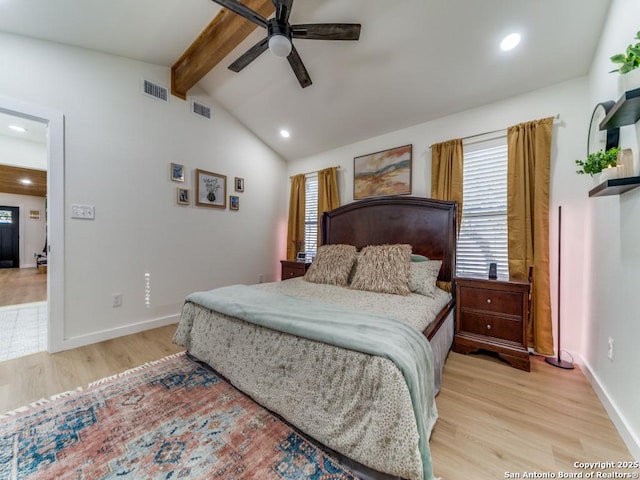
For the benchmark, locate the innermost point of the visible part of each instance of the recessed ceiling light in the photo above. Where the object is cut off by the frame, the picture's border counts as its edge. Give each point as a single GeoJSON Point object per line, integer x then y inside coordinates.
{"type": "Point", "coordinates": [17, 128]}
{"type": "Point", "coordinates": [285, 133]}
{"type": "Point", "coordinates": [26, 181]}
{"type": "Point", "coordinates": [510, 41]}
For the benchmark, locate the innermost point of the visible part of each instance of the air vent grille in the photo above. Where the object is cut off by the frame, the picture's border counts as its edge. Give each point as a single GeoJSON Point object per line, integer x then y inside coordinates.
{"type": "Point", "coordinates": [156, 91]}
{"type": "Point", "coordinates": [198, 108]}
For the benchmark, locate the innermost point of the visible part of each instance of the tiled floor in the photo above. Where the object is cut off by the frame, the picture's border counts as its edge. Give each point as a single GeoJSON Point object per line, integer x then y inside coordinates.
{"type": "Point", "coordinates": [23, 329]}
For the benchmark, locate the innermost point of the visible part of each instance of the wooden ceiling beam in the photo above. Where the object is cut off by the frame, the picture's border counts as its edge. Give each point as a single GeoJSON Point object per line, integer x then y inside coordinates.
{"type": "Point", "coordinates": [216, 41]}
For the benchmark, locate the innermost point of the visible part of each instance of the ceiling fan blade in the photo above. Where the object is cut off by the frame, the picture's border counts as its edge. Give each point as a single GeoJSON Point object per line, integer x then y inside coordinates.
{"type": "Point", "coordinates": [283, 10]}
{"type": "Point", "coordinates": [298, 68]}
{"type": "Point", "coordinates": [243, 11]}
{"type": "Point", "coordinates": [326, 31]}
{"type": "Point", "coordinates": [250, 55]}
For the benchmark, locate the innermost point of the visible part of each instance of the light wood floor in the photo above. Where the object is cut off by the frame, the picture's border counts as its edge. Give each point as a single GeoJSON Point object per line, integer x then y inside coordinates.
{"type": "Point", "coordinates": [22, 285]}
{"type": "Point", "coordinates": [493, 419]}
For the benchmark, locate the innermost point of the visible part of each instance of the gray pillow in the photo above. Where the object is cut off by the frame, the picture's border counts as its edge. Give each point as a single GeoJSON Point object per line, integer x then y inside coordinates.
{"type": "Point", "coordinates": [383, 269]}
{"type": "Point", "coordinates": [423, 276]}
{"type": "Point", "coordinates": [332, 265]}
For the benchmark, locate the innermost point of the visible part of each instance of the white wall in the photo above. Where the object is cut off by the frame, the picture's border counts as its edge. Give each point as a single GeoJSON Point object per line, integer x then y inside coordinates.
{"type": "Point", "coordinates": [32, 232]}
{"type": "Point", "coordinates": [601, 237]}
{"type": "Point", "coordinates": [118, 147]}
{"type": "Point", "coordinates": [23, 153]}
{"type": "Point", "coordinates": [613, 253]}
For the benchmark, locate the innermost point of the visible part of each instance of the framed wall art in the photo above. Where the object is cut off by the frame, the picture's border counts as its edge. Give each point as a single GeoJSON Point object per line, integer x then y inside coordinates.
{"type": "Point", "coordinates": [211, 189]}
{"type": "Point", "coordinates": [383, 173]}
{"type": "Point", "coordinates": [177, 172]}
{"type": "Point", "coordinates": [238, 184]}
{"type": "Point", "coordinates": [234, 202]}
{"type": "Point", "coordinates": [183, 197]}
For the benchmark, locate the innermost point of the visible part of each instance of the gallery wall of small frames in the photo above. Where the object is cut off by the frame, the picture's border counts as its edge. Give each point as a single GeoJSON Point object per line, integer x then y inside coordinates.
{"type": "Point", "coordinates": [210, 189]}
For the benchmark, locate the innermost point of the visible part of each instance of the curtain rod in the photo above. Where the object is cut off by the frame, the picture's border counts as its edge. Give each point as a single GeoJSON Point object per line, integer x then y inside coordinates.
{"type": "Point", "coordinates": [556, 116]}
{"type": "Point", "coordinates": [337, 167]}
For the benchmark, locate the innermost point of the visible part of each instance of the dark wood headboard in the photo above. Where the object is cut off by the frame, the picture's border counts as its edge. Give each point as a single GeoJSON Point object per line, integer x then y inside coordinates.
{"type": "Point", "coordinates": [428, 225]}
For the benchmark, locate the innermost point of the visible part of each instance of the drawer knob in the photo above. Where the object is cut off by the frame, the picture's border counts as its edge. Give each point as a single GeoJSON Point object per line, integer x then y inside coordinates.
{"type": "Point", "coordinates": [488, 327]}
{"type": "Point", "coordinates": [488, 300]}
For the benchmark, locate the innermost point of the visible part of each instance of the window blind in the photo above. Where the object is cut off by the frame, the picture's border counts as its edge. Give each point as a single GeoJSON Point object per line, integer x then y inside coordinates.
{"type": "Point", "coordinates": [483, 232]}
{"type": "Point", "coordinates": [311, 215]}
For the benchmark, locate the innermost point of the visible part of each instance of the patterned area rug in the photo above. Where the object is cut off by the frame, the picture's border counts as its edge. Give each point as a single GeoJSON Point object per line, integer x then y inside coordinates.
{"type": "Point", "coordinates": [171, 419]}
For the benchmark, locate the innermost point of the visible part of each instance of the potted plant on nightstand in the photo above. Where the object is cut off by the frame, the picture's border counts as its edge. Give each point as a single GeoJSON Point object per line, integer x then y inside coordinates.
{"type": "Point", "coordinates": [629, 66]}
{"type": "Point", "coordinates": [602, 164]}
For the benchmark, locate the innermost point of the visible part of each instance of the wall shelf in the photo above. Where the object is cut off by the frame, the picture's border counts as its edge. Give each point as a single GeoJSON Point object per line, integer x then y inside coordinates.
{"type": "Point", "coordinates": [615, 186]}
{"type": "Point", "coordinates": [626, 111]}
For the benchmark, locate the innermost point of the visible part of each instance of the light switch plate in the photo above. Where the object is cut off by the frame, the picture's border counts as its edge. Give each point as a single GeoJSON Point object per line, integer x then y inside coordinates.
{"type": "Point", "coordinates": [86, 212]}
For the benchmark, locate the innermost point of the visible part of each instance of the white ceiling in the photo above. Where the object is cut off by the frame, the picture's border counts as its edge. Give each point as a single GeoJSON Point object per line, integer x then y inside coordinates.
{"type": "Point", "coordinates": [416, 60]}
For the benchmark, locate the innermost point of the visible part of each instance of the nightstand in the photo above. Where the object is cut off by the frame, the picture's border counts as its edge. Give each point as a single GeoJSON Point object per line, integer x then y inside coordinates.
{"type": "Point", "coordinates": [292, 269]}
{"type": "Point", "coordinates": [491, 315]}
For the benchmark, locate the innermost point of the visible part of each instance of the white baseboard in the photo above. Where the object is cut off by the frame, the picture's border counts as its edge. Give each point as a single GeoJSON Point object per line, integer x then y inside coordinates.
{"type": "Point", "coordinates": [630, 439]}
{"type": "Point", "coordinates": [103, 335]}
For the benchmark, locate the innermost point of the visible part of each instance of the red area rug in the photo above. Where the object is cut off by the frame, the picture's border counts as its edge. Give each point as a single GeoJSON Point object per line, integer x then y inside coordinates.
{"type": "Point", "coordinates": [171, 419]}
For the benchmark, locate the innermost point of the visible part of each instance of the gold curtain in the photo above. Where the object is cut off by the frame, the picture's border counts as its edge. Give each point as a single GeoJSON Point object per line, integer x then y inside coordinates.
{"type": "Point", "coordinates": [446, 172]}
{"type": "Point", "coordinates": [528, 171]}
{"type": "Point", "coordinates": [328, 197]}
{"type": "Point", "coordinates": [295, 230]}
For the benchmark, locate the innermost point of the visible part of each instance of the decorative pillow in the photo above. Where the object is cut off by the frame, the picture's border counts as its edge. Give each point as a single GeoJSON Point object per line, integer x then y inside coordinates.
{"type": "Point", "coordinates": [354, 268]}
{"type": "Point", "coordinates": [332, 265]}
{"type": "Point", "coordinates": [418, 258]}
{"type": "Point", "coordinates": [383, 269]}
{"type": "Point", "coordinates": [423, 276]}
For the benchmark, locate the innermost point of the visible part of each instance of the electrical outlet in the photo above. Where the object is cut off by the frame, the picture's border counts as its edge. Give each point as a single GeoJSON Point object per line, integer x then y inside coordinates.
{"type": "Point", "coordinates": [116, 300]}
{"type": "Point", "coordinates": [610, 349]}
{"type": "Point", "coordinates": [260, 278]}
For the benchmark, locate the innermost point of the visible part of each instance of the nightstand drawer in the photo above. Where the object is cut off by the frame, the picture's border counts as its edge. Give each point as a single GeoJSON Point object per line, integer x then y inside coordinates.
{"type": "Point", "coordinates": [509, 303]}
{"type": "Point", "coordinates": [293, 269]}
{"type": "Point", "coordinates": [492, 326]}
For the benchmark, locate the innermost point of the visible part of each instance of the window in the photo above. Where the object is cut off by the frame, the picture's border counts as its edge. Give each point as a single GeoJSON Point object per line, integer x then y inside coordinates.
{"type": "Point", "coordinates": [6, 216]}
{"type": "Point", "coordinates": [311, 215]}
{"type": "Point", "coordinates": [483, 232]}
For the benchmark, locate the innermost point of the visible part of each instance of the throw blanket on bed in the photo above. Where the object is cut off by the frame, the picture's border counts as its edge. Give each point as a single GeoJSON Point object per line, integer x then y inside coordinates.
{"type": "Point", "coordinates": [371, 334]}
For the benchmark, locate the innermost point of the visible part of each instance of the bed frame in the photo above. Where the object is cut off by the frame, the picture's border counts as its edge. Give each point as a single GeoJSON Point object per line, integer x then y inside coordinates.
{"type": "Point", "coordinates": [428, 225]}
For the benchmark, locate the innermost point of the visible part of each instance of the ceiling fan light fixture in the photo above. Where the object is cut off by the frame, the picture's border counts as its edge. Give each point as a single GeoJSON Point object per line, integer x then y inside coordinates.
{"type": "Point", "coordinates": [280, 46]}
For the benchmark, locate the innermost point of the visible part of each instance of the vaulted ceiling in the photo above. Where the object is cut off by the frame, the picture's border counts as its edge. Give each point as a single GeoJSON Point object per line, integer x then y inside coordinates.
{"type": "Point", "coordinates": [416, 60]}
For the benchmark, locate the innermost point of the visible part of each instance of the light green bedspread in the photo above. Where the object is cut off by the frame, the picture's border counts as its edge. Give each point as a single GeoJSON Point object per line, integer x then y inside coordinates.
{"type": "Point", "coordinates": [366, 333]}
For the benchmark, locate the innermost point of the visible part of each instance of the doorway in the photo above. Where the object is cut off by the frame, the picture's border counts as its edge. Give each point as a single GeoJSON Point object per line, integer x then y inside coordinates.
{"type": "Point", "coordinates": [9, 228]}
{"type": "Point", "coordinates": [51, 122]}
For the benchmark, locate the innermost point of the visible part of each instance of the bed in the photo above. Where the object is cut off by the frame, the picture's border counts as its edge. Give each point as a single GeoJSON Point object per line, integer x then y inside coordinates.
{"type": "Point", "coordinates": [371, 403]}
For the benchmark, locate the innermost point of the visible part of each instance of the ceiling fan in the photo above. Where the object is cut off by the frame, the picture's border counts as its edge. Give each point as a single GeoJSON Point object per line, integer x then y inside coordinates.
{"type": "Point", "coordinates": [280, 34]}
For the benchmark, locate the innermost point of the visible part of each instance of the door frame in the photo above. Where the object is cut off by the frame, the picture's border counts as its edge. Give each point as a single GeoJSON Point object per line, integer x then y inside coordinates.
{"type": "Point", "coordinates": [55, 212]}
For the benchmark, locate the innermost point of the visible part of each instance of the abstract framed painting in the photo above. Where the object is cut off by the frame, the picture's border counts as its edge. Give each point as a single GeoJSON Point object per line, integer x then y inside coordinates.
{"type": "Point", "coordinates": [383, 173]}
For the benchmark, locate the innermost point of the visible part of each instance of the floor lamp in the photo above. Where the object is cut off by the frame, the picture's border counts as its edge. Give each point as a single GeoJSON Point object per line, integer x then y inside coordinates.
{"type": "Point", "coordinates": [558, 362]}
